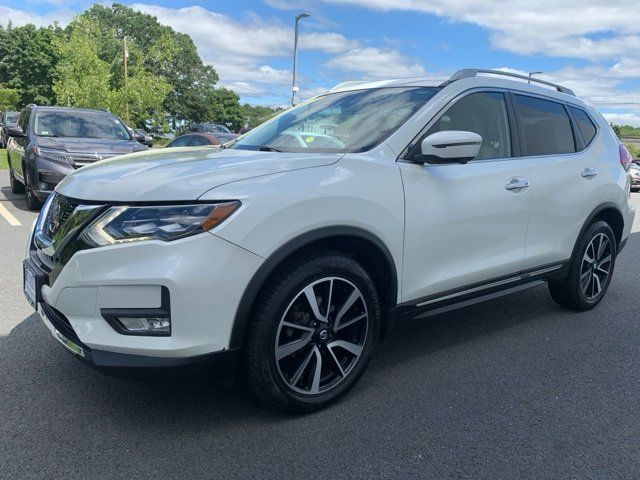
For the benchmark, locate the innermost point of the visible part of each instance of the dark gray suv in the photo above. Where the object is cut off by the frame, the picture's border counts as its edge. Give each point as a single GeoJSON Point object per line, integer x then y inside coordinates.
{"type": "Point", "coordinates": [49, 142]}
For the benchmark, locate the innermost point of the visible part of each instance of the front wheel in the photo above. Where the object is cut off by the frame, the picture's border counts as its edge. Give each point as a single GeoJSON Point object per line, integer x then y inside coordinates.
{"type": "Point", "coordinates": [16, 186]}
{"type": "Point", "coordinates": [32, 201]}
{"type": "Point", "coordinates": [312, 333]}
{"type": "Point", "coordinates": [590, 270]}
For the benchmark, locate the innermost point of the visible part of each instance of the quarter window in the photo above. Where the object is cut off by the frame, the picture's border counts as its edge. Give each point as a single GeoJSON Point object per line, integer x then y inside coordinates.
{"type": "Point", "coordinates": [545, 125]}
{"type": "Point", "coordinates": [484, 113]}
{"type": "Point", "coordinates": [585, 124]}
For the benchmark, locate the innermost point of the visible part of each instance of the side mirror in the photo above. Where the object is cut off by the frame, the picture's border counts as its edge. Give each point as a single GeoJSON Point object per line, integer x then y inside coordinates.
{"type": "Point", "coordinates": [15, 132]}
{"type": "Point", "coordinates": [451, 146]}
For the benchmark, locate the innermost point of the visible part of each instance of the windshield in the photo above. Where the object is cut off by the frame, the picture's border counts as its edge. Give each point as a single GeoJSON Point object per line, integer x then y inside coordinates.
{"type": "Point", "coordinates": [353, 121]}
{"type": "Point", "coordinates": [11, 118]}
{"type": "Point", "coordinates": [80, 124]}
{"type": "Point", "coordinates": [209, 128]}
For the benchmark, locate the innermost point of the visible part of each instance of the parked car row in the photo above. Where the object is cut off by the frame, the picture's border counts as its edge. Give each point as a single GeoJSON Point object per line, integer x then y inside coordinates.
{"type": "Point", "coordinates": [44, 144]}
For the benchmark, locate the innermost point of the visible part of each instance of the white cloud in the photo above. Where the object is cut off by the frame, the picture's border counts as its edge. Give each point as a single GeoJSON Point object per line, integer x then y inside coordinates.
{"type": "Point", "coordinates": [591, 29]}
{"type": "Point", "coordinates": [371, 62]}
{"type": "Point", "coordinates": [239, 50]}
{"type": "Point", "coordinates": [21, 17]}
{"type": "Point", "coordinates": [632, 119]}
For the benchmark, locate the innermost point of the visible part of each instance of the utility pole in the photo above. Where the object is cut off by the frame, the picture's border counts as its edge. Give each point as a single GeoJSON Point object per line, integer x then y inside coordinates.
{"type": "Point", "coordinates": [294, 88]}
{"type": "Point", "coordinates": [125, 56]}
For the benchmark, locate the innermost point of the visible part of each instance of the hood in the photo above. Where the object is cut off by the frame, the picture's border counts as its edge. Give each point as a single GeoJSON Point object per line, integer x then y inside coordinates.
{"type": "Point", "coordinates": [91, 145]}
{"type": "Point", "coordinates": [177, 174]}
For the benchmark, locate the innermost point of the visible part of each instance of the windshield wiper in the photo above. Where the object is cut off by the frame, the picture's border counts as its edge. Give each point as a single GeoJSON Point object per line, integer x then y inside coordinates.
{"type": "Point", "coordinates": [266, 148]}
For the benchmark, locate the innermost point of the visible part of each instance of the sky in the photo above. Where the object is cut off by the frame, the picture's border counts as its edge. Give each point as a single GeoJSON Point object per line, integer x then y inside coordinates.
{"type": "Point", "coordinates": [591, 46]}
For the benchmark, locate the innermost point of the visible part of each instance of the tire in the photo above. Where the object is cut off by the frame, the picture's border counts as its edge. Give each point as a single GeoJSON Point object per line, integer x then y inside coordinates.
{"type": "Point", "coordinates": [16, 186]}
{"type": "Point", "coordinates": [284, 316]}
{"type": "Point", "coordinates": [32, 201]}
{"type": "Point", "coordinates": [590, 270]}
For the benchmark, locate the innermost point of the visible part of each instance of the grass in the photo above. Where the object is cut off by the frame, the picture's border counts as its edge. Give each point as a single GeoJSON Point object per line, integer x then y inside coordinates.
{"type": "Point", "coordinates": [3, 159]}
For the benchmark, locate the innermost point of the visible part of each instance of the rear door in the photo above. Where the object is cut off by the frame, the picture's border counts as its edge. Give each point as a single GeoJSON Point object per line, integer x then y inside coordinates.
{"type": "Point", "coordinates": [464, 224]}
{"type": "Point", "coordinates": [561, 190]}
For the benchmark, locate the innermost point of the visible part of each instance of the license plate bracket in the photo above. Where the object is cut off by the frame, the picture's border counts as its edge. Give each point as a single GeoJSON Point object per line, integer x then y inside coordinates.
{"type": "Point", "coordinates": [32, 284]}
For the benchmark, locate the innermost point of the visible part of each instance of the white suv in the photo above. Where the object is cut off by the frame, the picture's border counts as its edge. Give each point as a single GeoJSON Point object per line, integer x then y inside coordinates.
{"type": "Point", "coordinates": [291, 250]}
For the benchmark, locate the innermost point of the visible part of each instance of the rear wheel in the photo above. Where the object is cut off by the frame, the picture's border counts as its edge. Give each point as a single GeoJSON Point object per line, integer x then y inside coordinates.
{"type": "Point", "coordinates": [590, 271]}
{"type": "Point", "coordinates": [313, 332]}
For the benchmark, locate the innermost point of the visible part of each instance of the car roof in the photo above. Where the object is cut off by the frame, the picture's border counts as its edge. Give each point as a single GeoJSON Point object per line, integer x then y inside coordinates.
{"type": "Point", "coordinates": [471, 78]}
{"type": "Point", "coordinates": [67, 109]}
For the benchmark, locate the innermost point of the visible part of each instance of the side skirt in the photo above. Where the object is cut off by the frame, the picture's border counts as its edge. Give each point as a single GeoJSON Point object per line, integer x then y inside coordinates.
{"type": "Point", "coordinates": [478, 292]}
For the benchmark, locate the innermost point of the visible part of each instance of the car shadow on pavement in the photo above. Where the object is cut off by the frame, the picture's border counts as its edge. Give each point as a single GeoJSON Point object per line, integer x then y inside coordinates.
{"type": "Point", "coordinates": [34, 358]}
{"type": "Point", "coordinates": [17, 199]}
{"type": "Point", "coordinates": [46, 384]}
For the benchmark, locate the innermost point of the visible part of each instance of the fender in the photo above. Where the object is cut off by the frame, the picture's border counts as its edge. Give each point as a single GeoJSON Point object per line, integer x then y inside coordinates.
{"type": "Point", "coordinates": [275, 259]}
{"type": "Point", "coordinates": [599, 209]}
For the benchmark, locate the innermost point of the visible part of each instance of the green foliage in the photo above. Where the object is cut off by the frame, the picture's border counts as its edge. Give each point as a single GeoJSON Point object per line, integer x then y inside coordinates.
{"type": "Point", "coordinates": [3, 159]}
{"type": "Point", "coordinates": [167, 54]}
{"type": "Point", "coordinates": [633, 150]}
{"type": "Point", "coordinates": [27, 62]}
{"type": "Point", "coordinates": [9, 98]}
{"type": "Point", "coordinates": [81, 65]}
{"type": "Point", "coordinates": [138, 98]}
{"type": "Point", "coordinates": [616, 129]}
{"type": "Point", "coordinates": [82, 77]}
{"type": "Point", "coordinates": [626, 131]}
{"type": "Point", "coordinates": [254, 115]}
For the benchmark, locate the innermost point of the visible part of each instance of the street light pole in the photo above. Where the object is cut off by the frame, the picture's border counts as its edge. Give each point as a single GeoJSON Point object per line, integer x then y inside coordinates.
{"type": "Point", "coordinates": [294, 89]}
{"type": "Point", "coordinates": [531, 74]}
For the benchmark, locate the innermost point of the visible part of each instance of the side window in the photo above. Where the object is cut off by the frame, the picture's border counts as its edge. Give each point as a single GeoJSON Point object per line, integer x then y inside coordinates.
{"type": "Point", "coordinates": [545, 125]}
{"type": "Point", "coordinates": [484, 113]}
{"type": "Point", "coordinates": [197, 140]}
{"type": "Point", "coordinates": [181, 141]}
{"type": "Point", "coordinates": [585, 124]}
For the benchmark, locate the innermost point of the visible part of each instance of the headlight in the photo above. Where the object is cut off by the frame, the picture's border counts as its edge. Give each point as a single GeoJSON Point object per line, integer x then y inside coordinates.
{"type": "Point", "coordinates": [168, 222]}
{"type": "Point", "coordinates": [51, 154]}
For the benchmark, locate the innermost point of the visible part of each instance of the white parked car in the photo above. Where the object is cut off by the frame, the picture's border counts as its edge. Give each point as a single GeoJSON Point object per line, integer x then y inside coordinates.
{"type": "Point", "coordinates": [292, 250]}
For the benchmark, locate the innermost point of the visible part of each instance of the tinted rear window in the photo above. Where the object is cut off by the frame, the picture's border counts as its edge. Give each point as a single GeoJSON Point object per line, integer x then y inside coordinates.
{"type": "Point", "coordinates": [545, 125]}
{"type": "Point", "coordinates": [585, 124]}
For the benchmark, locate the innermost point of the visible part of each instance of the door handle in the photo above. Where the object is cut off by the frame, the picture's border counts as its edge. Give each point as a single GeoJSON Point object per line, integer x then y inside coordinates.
{"type": "Point", "coordinates": [517, 183]}
{"type": "Point", "coordinates": [589, 172]}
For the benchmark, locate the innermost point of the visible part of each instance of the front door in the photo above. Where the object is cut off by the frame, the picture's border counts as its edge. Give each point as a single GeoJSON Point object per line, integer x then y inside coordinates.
{"type": "Point", "coordinates": [466, 224]}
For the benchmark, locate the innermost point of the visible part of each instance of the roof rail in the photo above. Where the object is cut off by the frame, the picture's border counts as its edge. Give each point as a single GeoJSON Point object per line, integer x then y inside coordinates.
{"type": "Point", "coordinates": [350, 83]}
{"type": "Point", "coordinates": [473, 72]}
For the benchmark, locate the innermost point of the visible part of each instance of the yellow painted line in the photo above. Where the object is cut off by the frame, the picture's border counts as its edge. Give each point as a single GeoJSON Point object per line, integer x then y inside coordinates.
{"type": "Point", "coordinates": [8, 216]}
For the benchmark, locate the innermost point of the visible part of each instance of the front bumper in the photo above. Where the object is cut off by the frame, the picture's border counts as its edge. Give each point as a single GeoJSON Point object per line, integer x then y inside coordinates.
{"type": "Point", "coordinates": [204, 274]}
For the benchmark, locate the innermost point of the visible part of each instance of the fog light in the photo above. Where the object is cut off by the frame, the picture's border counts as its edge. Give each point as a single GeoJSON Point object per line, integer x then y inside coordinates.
{"type": "Point", "coordinates": [44, 186]}
{"type": "Point", "coordinates": [150, 325]}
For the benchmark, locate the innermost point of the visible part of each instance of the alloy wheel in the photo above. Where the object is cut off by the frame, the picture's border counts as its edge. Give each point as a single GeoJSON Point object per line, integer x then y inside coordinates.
{"type": "Point", "coordinates": [321, 336]}
{"type": "Point", "coordinates": [596, 266]}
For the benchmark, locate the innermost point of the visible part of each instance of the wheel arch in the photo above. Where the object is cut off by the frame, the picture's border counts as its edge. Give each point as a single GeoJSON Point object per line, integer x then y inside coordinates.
{"type": "Point", "coordinates": [363, 245]}
{"type": "Point", "coordinates": [609, 213]}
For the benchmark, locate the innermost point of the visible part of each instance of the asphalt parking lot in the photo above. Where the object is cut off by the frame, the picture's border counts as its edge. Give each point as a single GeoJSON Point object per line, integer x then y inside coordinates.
{"type": "Point", "coordinates": [514, 388]}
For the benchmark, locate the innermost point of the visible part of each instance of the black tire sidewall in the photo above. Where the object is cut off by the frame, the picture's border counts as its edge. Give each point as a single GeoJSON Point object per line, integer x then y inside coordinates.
{"type": "Point", "coordinates": [292, 283]}
{"type": "Point", "coordinates": [592, 231]}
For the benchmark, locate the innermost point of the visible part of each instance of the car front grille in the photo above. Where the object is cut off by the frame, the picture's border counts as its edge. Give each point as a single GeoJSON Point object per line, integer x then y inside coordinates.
{"type": "Point", "coordinates": [57, 236]}
{"type": "Point", "coordinates": [82, 159]}
{"type": "Point", "coordinates": [59, 212]}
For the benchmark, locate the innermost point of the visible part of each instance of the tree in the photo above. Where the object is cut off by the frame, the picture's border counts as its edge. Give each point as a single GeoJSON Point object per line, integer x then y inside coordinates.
{"type": "Point", "coordinates": [254, 115]}
{"type": "Point", "coordinates": [86, 80]}
{"type": "Point", "coordinates": [167, 54]}
{"type": "Point", "coordinates": [9, 98]}
{"type": "Point", "coordinates": [82, 77]}
{"type": "Point", "coordinates": [27, 62]}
